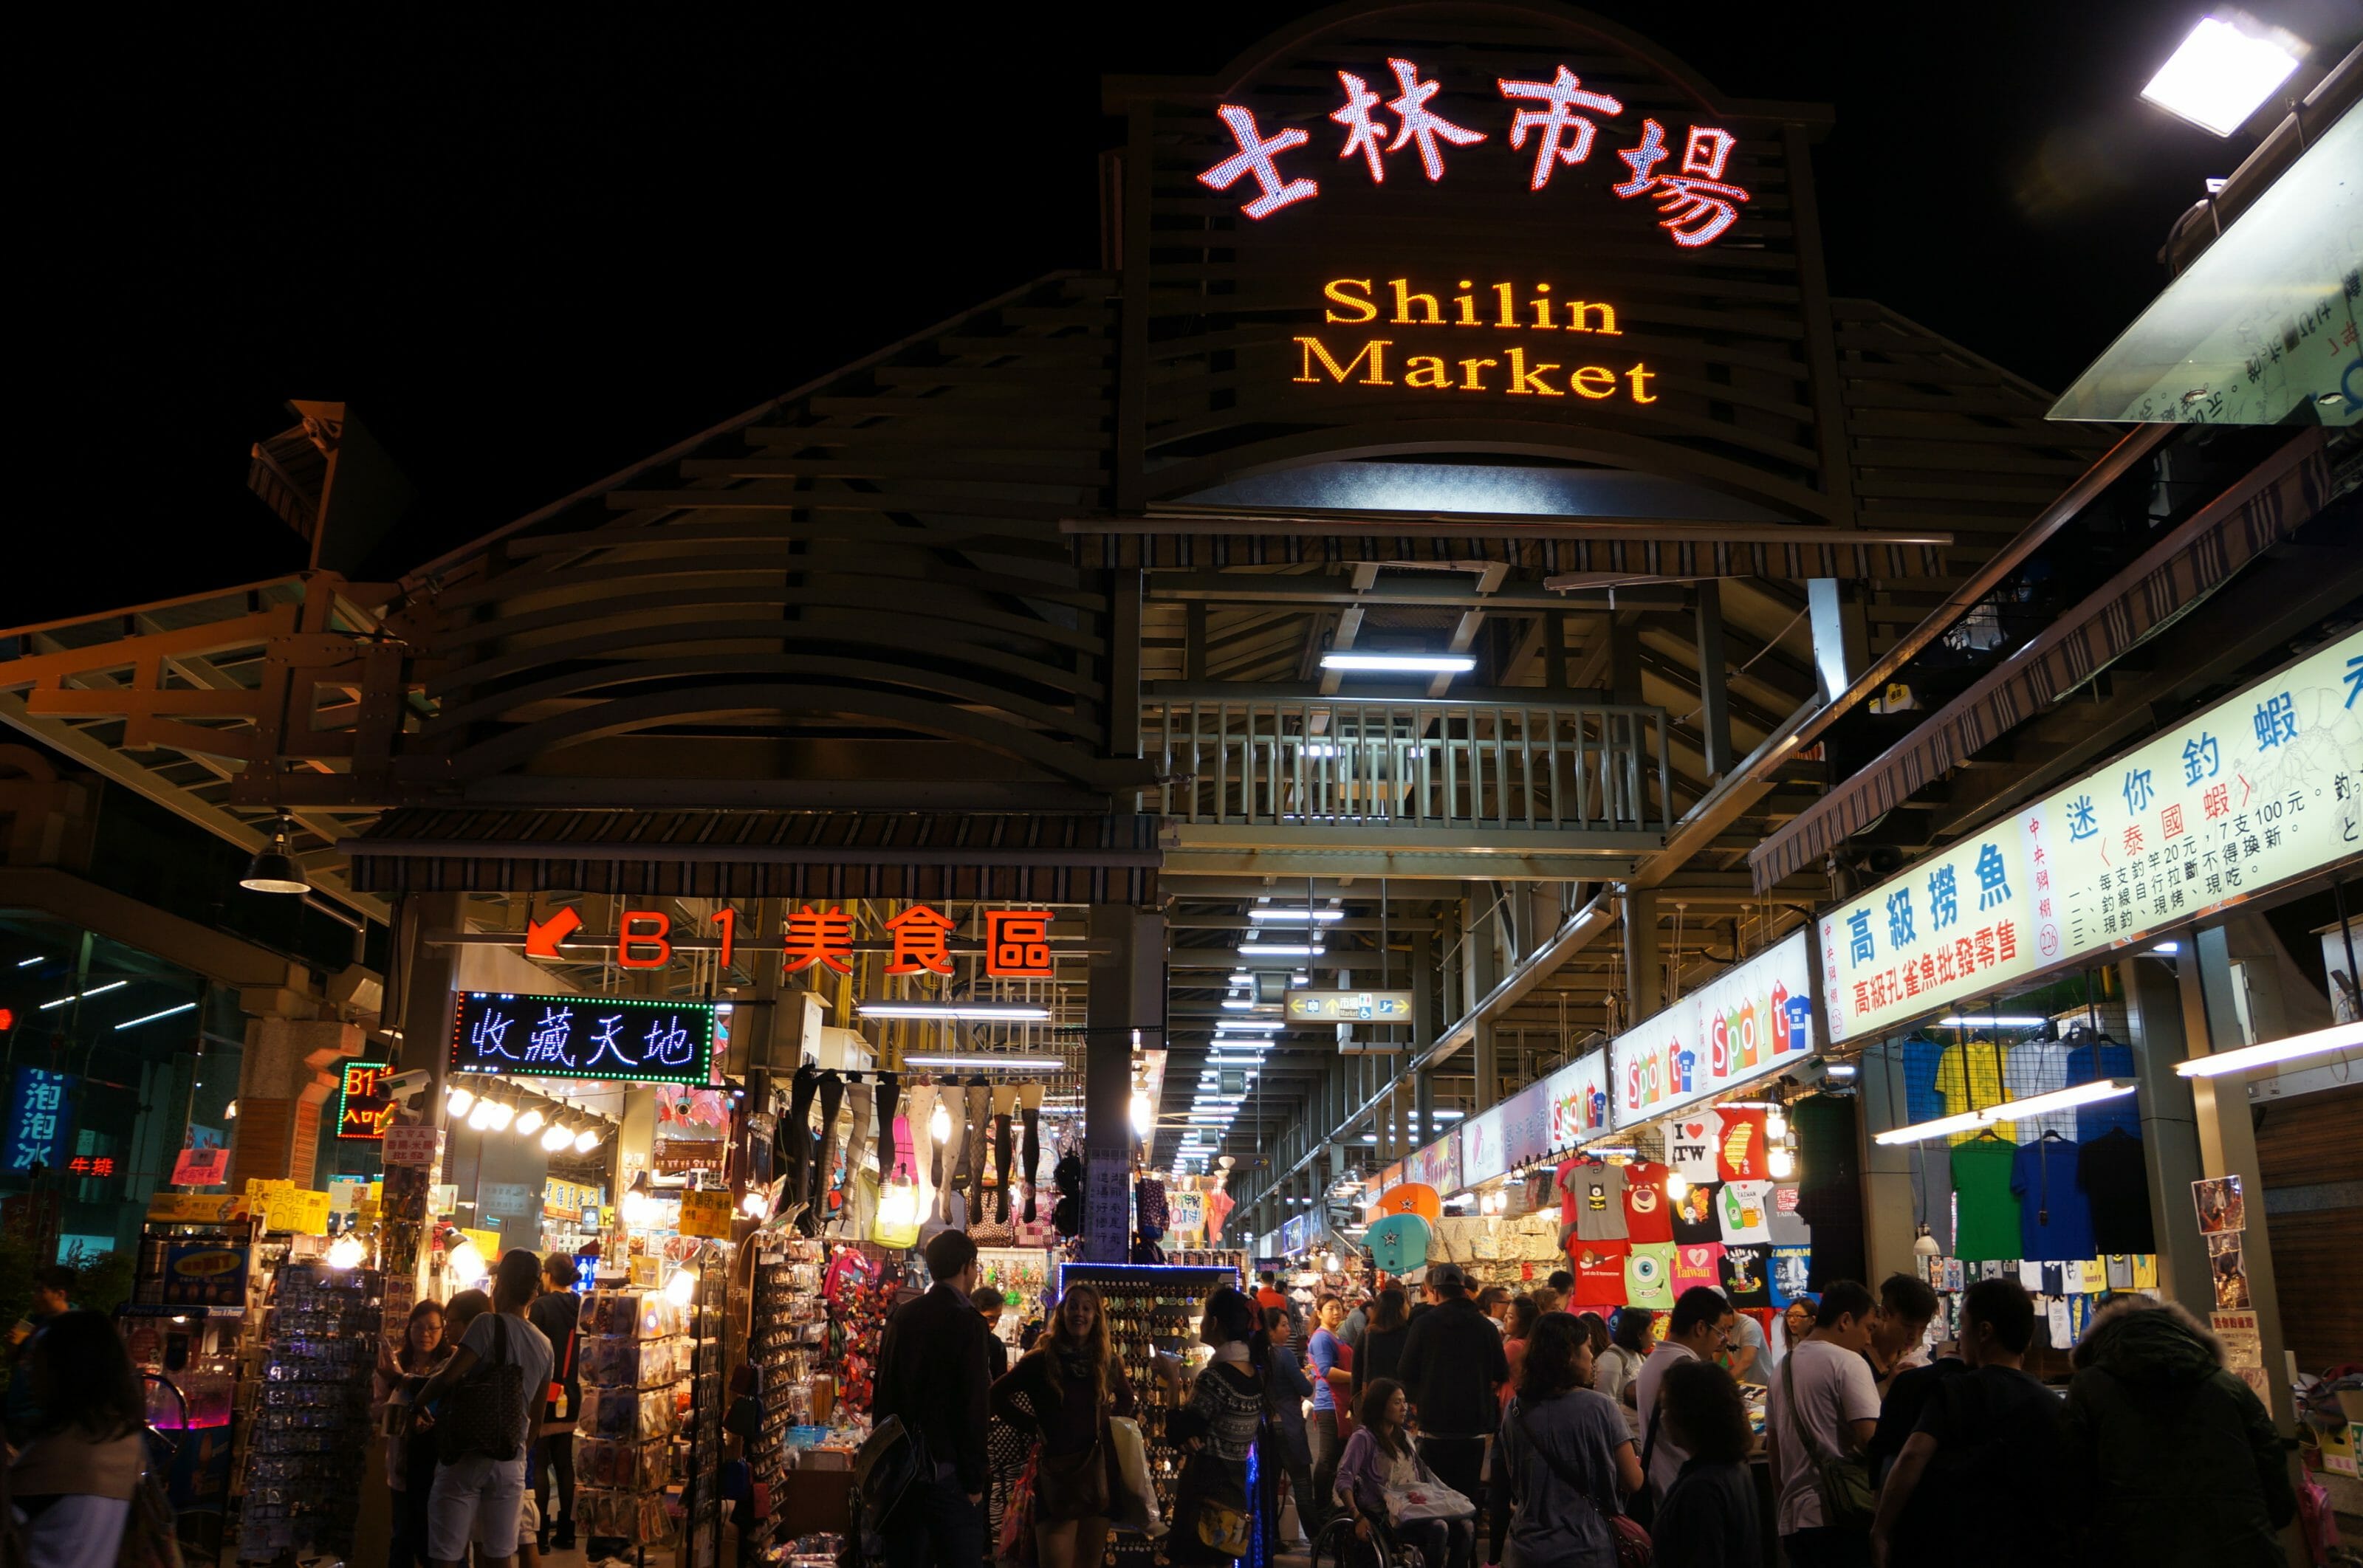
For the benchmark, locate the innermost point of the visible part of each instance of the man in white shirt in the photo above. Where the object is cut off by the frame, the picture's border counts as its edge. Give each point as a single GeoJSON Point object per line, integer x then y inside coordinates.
{"type": "Point", "coordinates": [1825, 1404]}
{"type": "Point", "coordinates": [1698, 1330]}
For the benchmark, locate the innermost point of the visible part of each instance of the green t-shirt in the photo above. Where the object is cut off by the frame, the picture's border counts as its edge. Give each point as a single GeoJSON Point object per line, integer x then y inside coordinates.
{"type": "Point", "coordinates": [1985, 1211]}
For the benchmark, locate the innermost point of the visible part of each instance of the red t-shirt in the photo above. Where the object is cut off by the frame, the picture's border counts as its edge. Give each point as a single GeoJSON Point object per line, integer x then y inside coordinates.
{"type": "Point", "coordinates": [1649, 1217]}
{"type": "Point", "coordinates": [1565, 1195]}
{"type": "Point", "coordinates": [1598, 1268]}
{"type": "Point", "coordinates": [1739, 1154]}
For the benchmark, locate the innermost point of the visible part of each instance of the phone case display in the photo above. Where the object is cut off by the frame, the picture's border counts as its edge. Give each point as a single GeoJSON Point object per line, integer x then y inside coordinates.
{"type": "Point", "coordinates": [1151, 1308]}
{"type": "Point", "coordinates": [634, 1362]}
{"type": "Point", "coordinates": [311, 1422]}
{"type": "Point", "coordinates": [787, 1346]}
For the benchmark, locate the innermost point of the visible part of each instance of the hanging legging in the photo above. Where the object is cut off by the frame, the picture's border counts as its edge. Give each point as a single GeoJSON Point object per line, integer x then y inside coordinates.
{"type": "Point", "coordinates": [793, 1141]}
{"type": "Point", "coordinates": [1001, 1151]}
{"type": "Point", "coordinates": [1033, 1152]}
{"type": "Point", "coordinates": [890, 1093]}
{"type": "Point", "coordinates": [832, 1100]}
{"type": "Point", "coordinates": [979, 1130]}
{"type": "Point", "coordinates": [857, 1138]}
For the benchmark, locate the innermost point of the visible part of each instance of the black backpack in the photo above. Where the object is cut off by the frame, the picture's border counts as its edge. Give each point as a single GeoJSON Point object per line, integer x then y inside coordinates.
{"type": "Point", "coordinates": [1989, 1489]}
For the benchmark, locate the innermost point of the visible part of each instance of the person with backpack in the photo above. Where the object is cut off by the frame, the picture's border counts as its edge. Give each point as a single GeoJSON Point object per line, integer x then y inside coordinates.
{"type": "Point", "coordinates": [933, 1374]}
{"type": "Point", "coordinates": [1824, 1409]}
{"type": "Point", "coordinates": [556, 1312]}
{"type": "Point", "coordinates": [1564, 1459]}
{"type": "Point", "coordinates": [1708, 1519]}
{"type": "Point", "coordinates": [79, 1474]}
{"type": "Point", "coordinates": [1974, 1480]}
{"type": "Point", "coordinates": [490, 1395]}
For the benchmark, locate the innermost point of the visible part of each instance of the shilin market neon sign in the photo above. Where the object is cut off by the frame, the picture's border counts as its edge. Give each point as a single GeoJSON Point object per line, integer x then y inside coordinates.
{"type": "Point", "coordinates": [1551, 123]}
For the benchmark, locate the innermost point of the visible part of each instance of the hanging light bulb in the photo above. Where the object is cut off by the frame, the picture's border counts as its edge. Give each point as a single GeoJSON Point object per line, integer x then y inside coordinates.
{"type": "Point", "coordinates": [458, 1101]}
{"type": "Point", "coordinates": [755, 1205]}
{"type": "Point", "coordinates": [347, 1251]}
{"type": "Point", "coordinates": [527, 1123]}
{"type": "Point", "coordinates": [466, 1265]}
{"type": "Point", "coordinates": [230, 1111]}
{"type": "Point", "coordinates": [502, 1113]}
{"type": "Point", "coordinates": [683, 1286]}
{"type": "Point", "coordinates": [939, 1125]}
{"type": "Point", "coordinates": [1144, 1115]}
{"type": "Point", "coordinates": [1776, 1124]}
{"type": "Point", "coordinates": [1923, 1245]}
{"type": "Point", "coordinates": [587, 1140]}
{"type": "Point", "coordinates": [1782, 1162]}
{"type": "Point", "coordinates": [482, 1117]}
{"type": "Point", "coordinates": [1678, 1186]}
{"type": "Point", "coordinates": [556, 1136]}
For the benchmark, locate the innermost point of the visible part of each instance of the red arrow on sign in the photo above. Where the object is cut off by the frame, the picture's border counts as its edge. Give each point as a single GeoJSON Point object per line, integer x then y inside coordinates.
{"type": "Point", "coordinates": [542, 937]}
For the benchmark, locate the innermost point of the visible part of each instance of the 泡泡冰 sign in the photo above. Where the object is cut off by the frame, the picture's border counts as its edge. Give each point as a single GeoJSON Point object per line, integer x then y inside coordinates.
{"type": "Point", "coordinates": [41, 1120]}
{"type": "Point", "coordinates": [2247, 794]}
{"type": "Point", "coordinates": [583, 1037]}
{"type": "Point", "coordinates": [1753, 1019]}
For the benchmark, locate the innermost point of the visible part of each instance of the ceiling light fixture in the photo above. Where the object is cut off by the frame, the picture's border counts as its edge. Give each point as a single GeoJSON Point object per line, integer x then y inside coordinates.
{"type": "Point", "coordinates": [2223, 72]}
{"type": "Point", "coordinates": [1013, 1064]}
{"type": "Point", "coordinates": [979, 1012]}
{"type": "Point", "coordinates": [1399, 664]}
{"type": "Point", "coordinates": [273, 867]}
{"type": "Point", "coordinates": [2009, 1111]}
{"type": "Point", "coordinates": [152, 1017]}
{"type": "Point", "coordinates": [1294, 917]}
{"type": "Point", "coordinates": [588, 1138]}
{"type": "Point", "coordinates": [2247, 1058]}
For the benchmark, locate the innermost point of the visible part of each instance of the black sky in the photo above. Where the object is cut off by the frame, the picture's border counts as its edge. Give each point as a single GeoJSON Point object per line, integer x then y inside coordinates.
{"type": "Point", "coordinates": [531, 247]}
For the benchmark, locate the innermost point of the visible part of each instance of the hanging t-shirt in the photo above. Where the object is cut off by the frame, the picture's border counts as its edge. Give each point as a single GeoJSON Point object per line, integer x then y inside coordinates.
{"type": "Point", "coordinates": [2116, 1189]}
{"type": "Point", "coordinates": [1985, 1220]}
{"type": "Point", "coordinates": [1746, 1276]}
{"type": "Point", "coordinates": [2030, 1276]}
{"type": "Point", "coordinates": [2054, 1219]}
{"type": "Point", "coordinates": [1598, 1268]}
{"type": "Point", "coordinates": [1650, 1276]}
{"type": "Point", "coordinates": [1739, 1151]}
{"type": "Point", "coordinates": [1793, 1268]}
{"type": "Point", "coordinates": [1970, 1078]}
{"type": "Point", "coordinates": [1923, 1100]}
{"type": "Point", "coordinates": [1694, 1215]}
{"type": "Point", "coordinates": [1788, 1227]}
{"type": "Point", "coordinates": [1691, 1141]}
{"type": "Point", "coordinates": [2055, 1318]}
{"type": "Point", "coordinates": [2145, 1271]}
{"type": "Point", "coordinates": [1599, 1193]}
{"type": "Point", "coordinates": [1563, 1183]}
{"type": "Point", "coordinates": [2033, 1067]}
{"type": "Point", "coordinates": [1745, 1208]}
{"type": "Point", "coordinates": [1649, 1220]}
{"type": "Point", "coordinates": [2103, 1057]}
{"type": "Point", "coordinates": [1701, 1265]}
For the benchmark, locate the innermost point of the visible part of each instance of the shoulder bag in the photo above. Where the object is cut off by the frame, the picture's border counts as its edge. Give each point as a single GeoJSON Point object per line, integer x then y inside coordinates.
{"type": "Point", "coordinates": [891, 1459]}
{"type": "Point", "coordinates": [1847, 1500]}
{"type": "Point", "coordinates": [1641, 1507]}
{"type": "Point", "coordinates": [486, 1411]}
{"type": "Point", "coordinates": [1632, 1542]}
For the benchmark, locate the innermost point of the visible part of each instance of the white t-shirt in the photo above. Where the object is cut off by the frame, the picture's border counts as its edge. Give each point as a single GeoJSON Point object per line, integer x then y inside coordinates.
{"type": "Point", "coordinates": [529, 1348]}
{"type": "Point", "coordinates": [1691, 1141]}
{"type": "Point", "coordinates": [1830, 1381]}
{"type": "Point", "coordinates": [1666, 1460]}
{"type": "Point", "coordinates": [1745, 1210]}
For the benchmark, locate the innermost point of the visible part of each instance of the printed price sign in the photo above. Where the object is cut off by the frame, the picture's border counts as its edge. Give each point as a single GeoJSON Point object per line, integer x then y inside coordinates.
{"type": "Point", "coordinates": [413, 1145]}
{"type": "Point", "coordinates": [201, 1167]}
{"type": "Point", "coordinates": [705, 1214]}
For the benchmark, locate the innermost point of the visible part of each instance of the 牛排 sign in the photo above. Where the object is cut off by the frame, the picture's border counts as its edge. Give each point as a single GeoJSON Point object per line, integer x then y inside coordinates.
{"type": "Point", "coordinates": [583, 1037]}
{"type": "Point", "coordinates": [1559, 121]}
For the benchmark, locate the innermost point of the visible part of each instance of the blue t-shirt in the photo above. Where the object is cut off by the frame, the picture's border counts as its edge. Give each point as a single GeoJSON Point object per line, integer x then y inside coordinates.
{"type": "Point", "coordinates": [2088, 1063]}
{"type": "Point", "coordinates": [1323, 1349]}
{"type": "Point", "coordinates": [2055, 1219]}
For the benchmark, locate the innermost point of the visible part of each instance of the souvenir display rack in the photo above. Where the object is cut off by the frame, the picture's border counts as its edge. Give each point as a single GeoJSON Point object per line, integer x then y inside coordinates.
{"type": "Point", "coordinates": [1151, 1308]}
{"type": "Point", "coordinates": [701, 1495]}
{"type": "Point", "coordinates": [787, 1342]}
{"type": "Point", "coordinates": [190, 1328]}
{"type": "Point", "coordinates": [311, 1429]}
{"type": "Point", "coordinates": [1023, 1275]}
{"type": "Point", "coordinates": [635, 1365]}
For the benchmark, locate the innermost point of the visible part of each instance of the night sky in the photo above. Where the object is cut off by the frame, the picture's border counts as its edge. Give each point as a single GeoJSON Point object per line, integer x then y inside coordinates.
{"type": "Point", "coordinates": [530, 248]}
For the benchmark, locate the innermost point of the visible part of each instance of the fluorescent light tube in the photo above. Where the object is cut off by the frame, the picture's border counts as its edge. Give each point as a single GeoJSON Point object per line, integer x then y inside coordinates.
{"type": "Point", "coordinates": [2247, 1058]}
{"type": "Point", "coordinates": [1294, 917]}
{"type": "Point", "coordinates": [2009, 1111]}
{"type": "Point", "coordinates": [1014, 1064]}
{"type": "Point", "coordinates": [982, 1012]}
{"type": "Point", "coordinates": [1400, 663]}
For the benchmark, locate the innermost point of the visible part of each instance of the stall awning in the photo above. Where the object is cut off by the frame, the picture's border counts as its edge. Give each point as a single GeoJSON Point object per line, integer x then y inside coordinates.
{"type": "Point", "coordinates": [1028, 858]}
{"type": "Point", "coordinates": [2174, 574]}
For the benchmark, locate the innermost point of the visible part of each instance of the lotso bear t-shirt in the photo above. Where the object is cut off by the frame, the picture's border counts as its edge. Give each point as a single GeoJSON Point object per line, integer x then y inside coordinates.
{"type": "Point", "coordinates": [1649, 1220]}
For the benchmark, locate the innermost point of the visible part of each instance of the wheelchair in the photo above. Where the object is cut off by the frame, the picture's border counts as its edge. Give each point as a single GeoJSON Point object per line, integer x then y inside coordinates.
{"type": "Point", "coordinates": [1336, 1546]}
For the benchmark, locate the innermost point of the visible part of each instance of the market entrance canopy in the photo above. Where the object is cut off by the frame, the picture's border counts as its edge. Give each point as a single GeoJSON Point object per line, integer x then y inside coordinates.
{"type": "Point", "coordinates": [2261, 328]}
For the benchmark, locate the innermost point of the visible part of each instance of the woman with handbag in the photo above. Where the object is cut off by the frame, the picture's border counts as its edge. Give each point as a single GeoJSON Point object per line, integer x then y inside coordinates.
{"type": "Point", "coordinates": [1564, 1459]}
{"type": "Point", "coordinates": [1214, 1520]}
{"type": "Point", "coordinates": [78, 1481]}
{"type": "Point", "coordinates": [1380, 1469]}
{"type": "Point", "coordinates": [1064, 1390]}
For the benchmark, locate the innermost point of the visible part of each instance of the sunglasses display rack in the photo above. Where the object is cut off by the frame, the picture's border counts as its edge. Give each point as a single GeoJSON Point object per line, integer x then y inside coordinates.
{"type": "Point", "coordinates": [788, 1343]}
{"type": "Point", "coordinates": [1150, 1307]}
{"type": "Point", "coordinates": [310, 1428]}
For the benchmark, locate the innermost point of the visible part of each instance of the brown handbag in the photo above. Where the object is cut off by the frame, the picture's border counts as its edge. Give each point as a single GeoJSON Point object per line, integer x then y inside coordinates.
{"type": "Point", "coordinates": [1073, 1486]}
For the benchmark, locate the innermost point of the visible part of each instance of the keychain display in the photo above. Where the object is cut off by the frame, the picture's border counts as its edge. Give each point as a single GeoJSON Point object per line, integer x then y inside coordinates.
{"type": "Point", "coordinates": [311, 1425]}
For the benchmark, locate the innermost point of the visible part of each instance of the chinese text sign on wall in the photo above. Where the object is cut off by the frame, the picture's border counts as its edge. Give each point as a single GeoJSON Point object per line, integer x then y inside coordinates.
{"type": "Point", "coordinates": [41, 1116]}
{"type": "Point", "coordinates": [2253, 792]}
{"type": "Point", "coordinates": [1751, 1021]}
{"type": "Point", "coordinates": [583, 1037]}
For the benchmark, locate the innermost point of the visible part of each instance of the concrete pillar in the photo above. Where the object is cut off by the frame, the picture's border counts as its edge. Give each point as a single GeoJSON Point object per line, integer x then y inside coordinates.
{"type": "Point", "coordinates": [2160, 1019]}
{"type": "Point", "coordinates": [1127, 994]}
{"type": "Point", "coordinates": [1714, 705]}
{"type": "Point", "coordinates": [286, 1075]}
{"type": "Point", "coordinates": [2227, 1146]}
{"type": "Point", "coordinates": [1644, 976]}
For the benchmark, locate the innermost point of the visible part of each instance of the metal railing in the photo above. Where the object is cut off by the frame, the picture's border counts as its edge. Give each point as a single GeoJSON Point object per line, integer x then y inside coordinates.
{"type": "Point", "coordinates": [1316, 762]}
